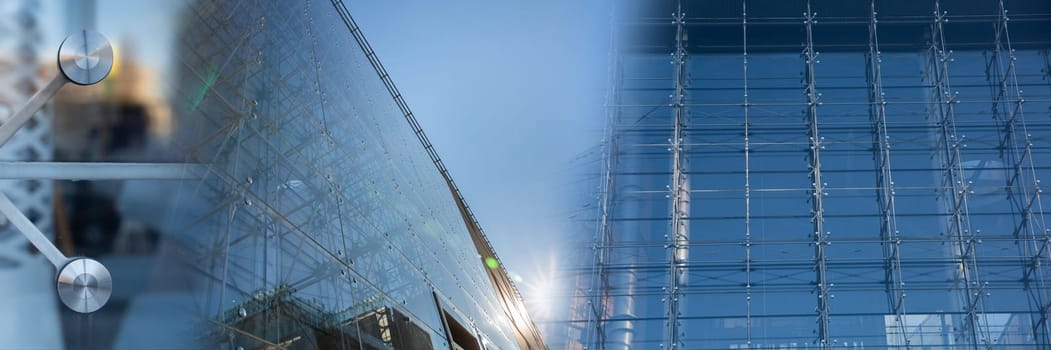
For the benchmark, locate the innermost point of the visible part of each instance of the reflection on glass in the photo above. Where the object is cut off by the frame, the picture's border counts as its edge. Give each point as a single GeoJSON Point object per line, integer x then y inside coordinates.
{"type": "Point", "coordinates": [862, 175]}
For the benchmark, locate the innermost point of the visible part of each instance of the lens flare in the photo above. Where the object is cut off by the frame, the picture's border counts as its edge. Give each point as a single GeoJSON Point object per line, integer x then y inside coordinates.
{"type": "Point", "coordinates": [539, 289]}
{"type": "Point", "coordinates": [491, 262]}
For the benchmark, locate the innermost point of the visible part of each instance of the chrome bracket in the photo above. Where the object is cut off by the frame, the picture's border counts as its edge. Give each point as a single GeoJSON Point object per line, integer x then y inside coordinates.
{"type": "Point", "coordinates": [83, 284]}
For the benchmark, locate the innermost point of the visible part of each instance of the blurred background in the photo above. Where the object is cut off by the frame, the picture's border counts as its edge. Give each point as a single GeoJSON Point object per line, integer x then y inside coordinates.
{"type": "Point", "coordinates": [125, 118]}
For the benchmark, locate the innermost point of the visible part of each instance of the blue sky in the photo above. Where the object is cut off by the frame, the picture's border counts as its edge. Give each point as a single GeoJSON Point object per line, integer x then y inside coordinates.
{"type": "Point", "coordinates": [509, 92]}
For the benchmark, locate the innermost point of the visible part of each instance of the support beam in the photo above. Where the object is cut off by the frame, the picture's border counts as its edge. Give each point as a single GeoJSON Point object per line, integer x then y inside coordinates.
{"type": "Point", "coordinates": [679, 240]}
{"type": "Point", "coordinates": [599, 287]}
{"type": "Point", "coordinates": [889, 234]}
{"type": "Point", "coordinates": [1022, 185]}
{"type": "Point", "coordinates": [100, 171]}
{"type": "Point", "coordinates": [22, 114]}
{"type": "Point", "coordinates": [1042, 327]}
{"type": "Point", "coordinates": [818, 191]}
{"type": "Point", "coordinates": [955, 187]}
{"type": "Point", "coordinates": [31, 232]}
{"type": "Point", "coordinates": [747, 181]}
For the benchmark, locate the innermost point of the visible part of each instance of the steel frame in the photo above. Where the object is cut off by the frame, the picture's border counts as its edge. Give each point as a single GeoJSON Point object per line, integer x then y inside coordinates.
{"type": "Point", "coordinates": [599, 286]}
{"type": "Point", "coordinates": [885, 181]}
{"type": "Point", "coordinates": [818, 187]}
{"type": "Point", "coordinates": [927, 246]}
{"type": "Point", "coordinates": [747, 179]}
{"type": "Point", "coordinates": [678, 239]}
{"type": "Point", "coordinates": [959, 229]}
{"type": "Point", "coordinates": [514, 308]}
{"type": "Point", "coordinates": [1023, 187]}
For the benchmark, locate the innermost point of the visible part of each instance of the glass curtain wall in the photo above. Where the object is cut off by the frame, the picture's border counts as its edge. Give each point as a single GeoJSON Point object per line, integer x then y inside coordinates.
{"type": "Point", "coordinates": [823, 175]}
{"type": "Point", "coordinates": [321, 222]}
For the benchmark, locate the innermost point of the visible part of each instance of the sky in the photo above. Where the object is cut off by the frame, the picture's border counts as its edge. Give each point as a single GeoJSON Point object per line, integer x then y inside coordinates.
{"type": "Point", "coordinates": [509, 93]}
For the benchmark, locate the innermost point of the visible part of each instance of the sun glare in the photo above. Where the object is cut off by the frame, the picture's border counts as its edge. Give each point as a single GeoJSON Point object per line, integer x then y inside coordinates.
{"type": "Point", "coordinates": [539, 288]}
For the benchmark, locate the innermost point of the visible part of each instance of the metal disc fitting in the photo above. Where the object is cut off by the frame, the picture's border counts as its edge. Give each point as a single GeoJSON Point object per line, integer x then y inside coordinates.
{"type": "Point", "coordinates": [84, 285]}
{"type": "Point", "coordinates": [85, 57]}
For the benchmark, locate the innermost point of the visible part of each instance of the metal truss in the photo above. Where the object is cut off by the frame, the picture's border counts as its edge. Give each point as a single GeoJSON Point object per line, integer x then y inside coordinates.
{"type": "Point", "coordinates": [747, 179]}
{"type": "Point", "coordinates": [1023, 187]}
{"type": "Point", "coordinates": [885, 182]}
{"type": "Point", "coordinates": [818, 191]}
{"type": "Point", "coordinates": [679, 239]}
{"type": "Point", "coordinates": [914, 252]}
{"type": "Point", "coordinates": [596, 312]}
{"type": "Point", "coordinates": [956, 186]}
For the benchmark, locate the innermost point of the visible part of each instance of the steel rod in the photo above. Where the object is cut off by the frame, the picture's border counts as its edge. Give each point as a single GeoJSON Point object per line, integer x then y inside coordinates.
{"type": "Point", "coordinates": [100, 171]}
{"type": "Point", "coordinates": [818, 191]}
{"type": "Point", "coordinates": [31, 232]}
{"type": "Point", "coordinates": [885, 193]}
{"type": "Point", "coordinates": [678, 237]}
{"type": "Point", "coordinates": [1016, 151]}
{"type": "Point", "coordinates": [747, 179]}
{"type": "Point", "coordinates": [943, 105]}
{"type": "Point", "coordinates": [22, 115]}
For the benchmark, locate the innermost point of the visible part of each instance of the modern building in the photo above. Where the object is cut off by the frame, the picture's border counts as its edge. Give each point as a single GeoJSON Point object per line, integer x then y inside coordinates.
{"type": "Point", "coordinates": [816, 174]}
{"type": "Point", "coordinates": [316, 215]}
{"type": "Point", "coordinates": [324, 218]}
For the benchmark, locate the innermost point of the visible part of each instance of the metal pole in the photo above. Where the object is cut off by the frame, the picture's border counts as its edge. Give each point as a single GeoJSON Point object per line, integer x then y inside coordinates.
{"type": "Point", "coordinates": [747, 181]}
{"type": "Point", "coordinates": [818, 190]}
{"type": "Point", "coordinates": [22, 115]}
{"type": "Point", "coordinates": [100, 171]}
{"type": "Point", "coordinates": [891, 240]}
{"type": "Point", "coordinates": [1022, 185]}
{"type": "Point", "coordinates": [959, 229]}
{"type": "Point", "coordinates": [600, 287]}
{"type": "Point", "coordinates": [37, 238]}
{"type": "Point", "coordinates": [678, 240]}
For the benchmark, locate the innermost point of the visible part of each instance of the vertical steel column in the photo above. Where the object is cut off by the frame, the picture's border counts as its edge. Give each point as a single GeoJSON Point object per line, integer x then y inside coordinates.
{"type": "Point", "coordinates": [1043, 338]}
{"type": "Point", "coordinates": [963, 237]}
{"type": "Point", "coordinates": [747, 182]}
{"type": "Point", "coordinates": [599, 297]}
{"type": "Point", "coordinates": [678, 240]}
{"type": "Point", "coordinates": [1042, 327]}
{"type": "Point", "coordinates": [889, 234]}
{"type": "Point", "coordinates": [1022, 184]}
{"type": "Point", "coordinates": [818, 187]}
{"type": "Point", "coordinates": [598, 288]}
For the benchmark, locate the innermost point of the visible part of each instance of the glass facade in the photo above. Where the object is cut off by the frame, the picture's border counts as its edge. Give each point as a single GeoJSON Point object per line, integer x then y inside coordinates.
{"type": "Point", "coordinates": [823, 175]}
{"type": "Point", "coordinates": [321, 221]}
{"type": "Point", "coordinates": [250, 178]}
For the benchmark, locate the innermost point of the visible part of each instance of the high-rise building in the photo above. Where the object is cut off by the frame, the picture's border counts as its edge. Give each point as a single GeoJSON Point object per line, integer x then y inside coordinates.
{"type": "Point", "coordinates": [300, 204]}
{"type": "Point", "coordinates": [817, 174]}
{"type": "Point", "coordinates": [325, 219]}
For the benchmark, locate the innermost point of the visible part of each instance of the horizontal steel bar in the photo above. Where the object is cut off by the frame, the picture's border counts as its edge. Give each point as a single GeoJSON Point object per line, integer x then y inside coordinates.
{"type": "Point", "coordinates": [100, 171]}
